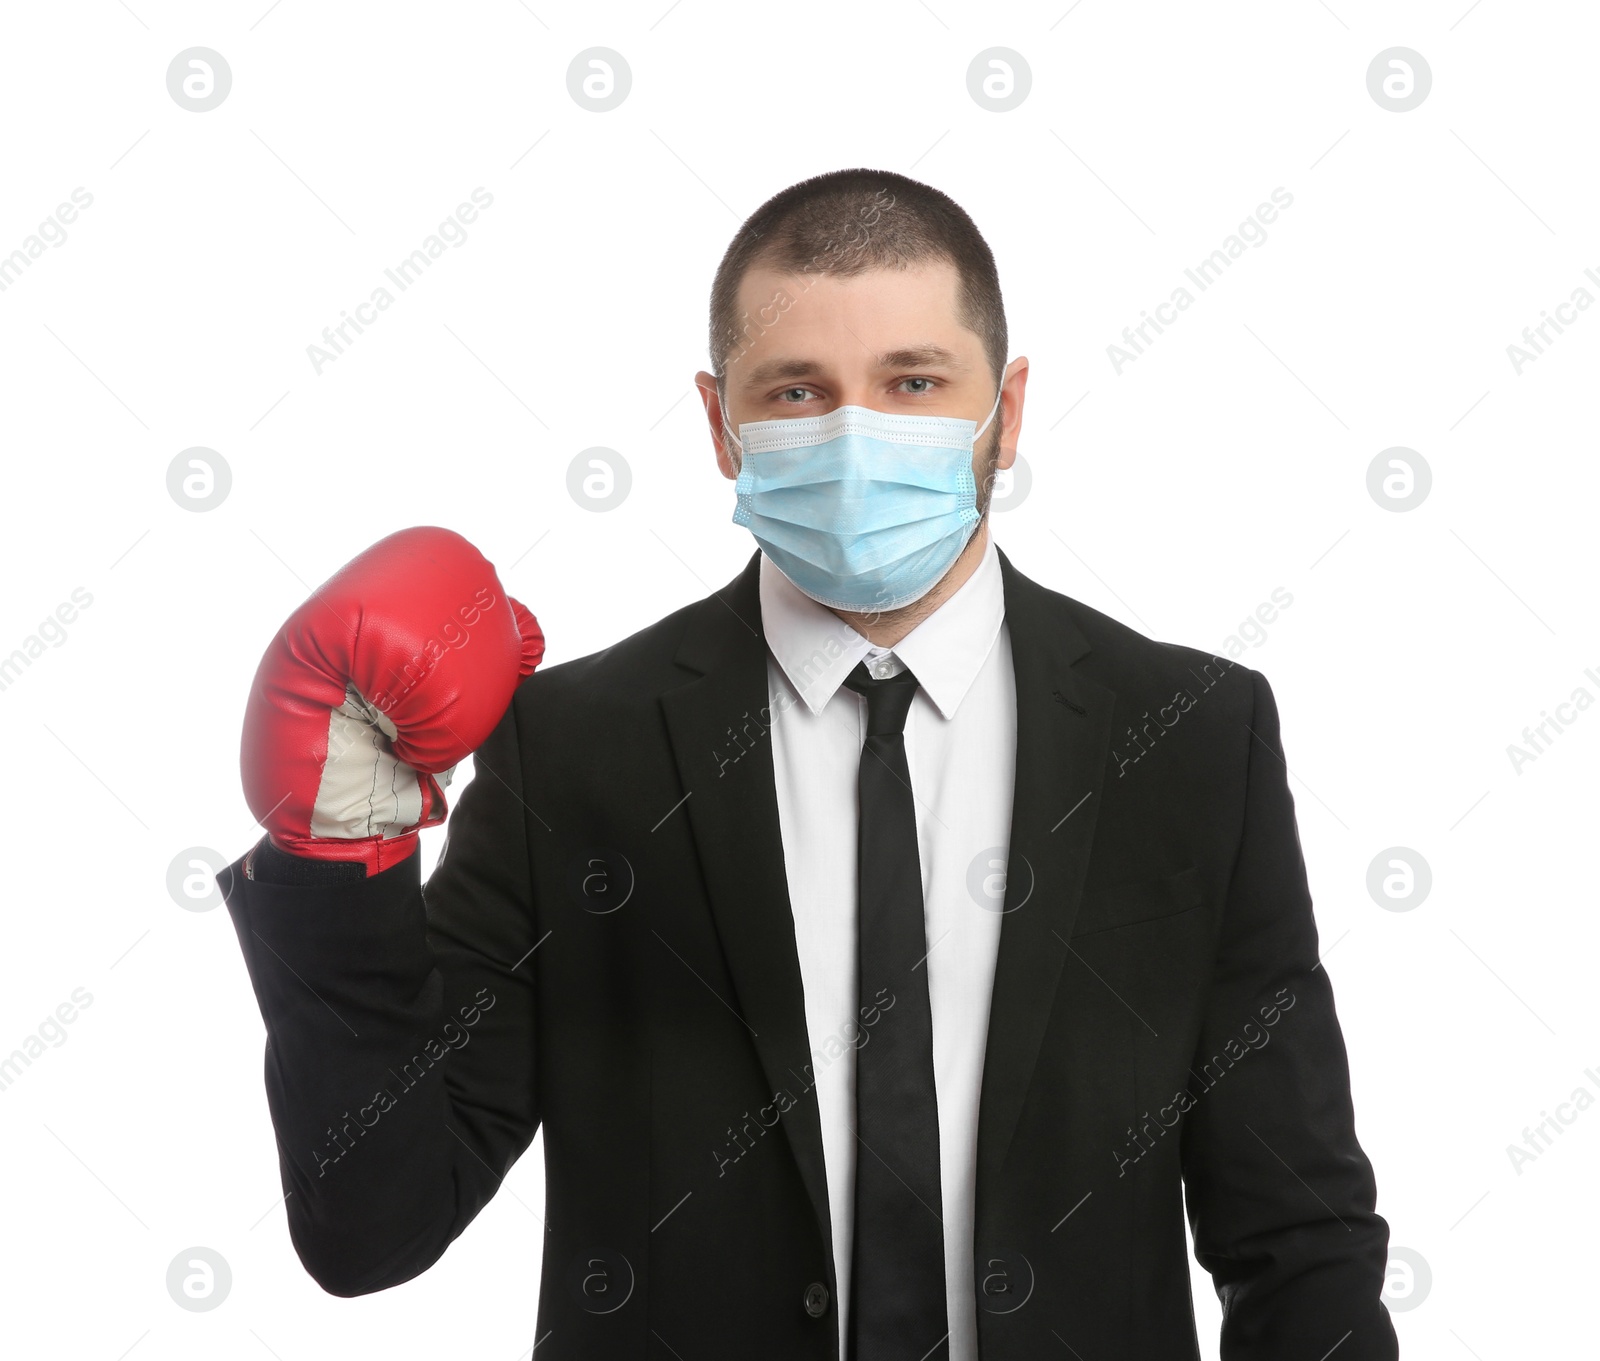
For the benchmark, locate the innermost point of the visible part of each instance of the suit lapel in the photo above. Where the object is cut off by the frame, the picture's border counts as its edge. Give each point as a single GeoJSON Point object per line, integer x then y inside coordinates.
{"type": "Point", "coordinates": [1063, 735]}
{"type": "Point", "coordinates": [733, 813]}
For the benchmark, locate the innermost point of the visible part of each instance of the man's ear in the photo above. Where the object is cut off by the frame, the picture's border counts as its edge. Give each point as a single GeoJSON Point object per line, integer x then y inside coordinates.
{"type": "Point", "coordinates": [727, 455]}
{"type": "Point", "coordinates": [1013, 385]}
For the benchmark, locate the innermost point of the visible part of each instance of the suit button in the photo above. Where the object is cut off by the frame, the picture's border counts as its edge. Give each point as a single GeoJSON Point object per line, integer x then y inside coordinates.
{"type": "Point", "coordinates": [816, 1299]}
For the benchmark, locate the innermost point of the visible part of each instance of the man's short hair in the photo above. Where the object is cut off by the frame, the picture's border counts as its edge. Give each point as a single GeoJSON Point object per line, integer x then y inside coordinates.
{"type": "Point", "coordinates": [847, 222]}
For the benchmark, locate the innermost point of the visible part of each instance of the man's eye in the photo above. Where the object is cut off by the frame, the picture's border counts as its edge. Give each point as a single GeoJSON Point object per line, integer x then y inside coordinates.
{"type": "Point", "coordinates": [789, 393]}
{"type": "Point", "coordinates": [918, 391]}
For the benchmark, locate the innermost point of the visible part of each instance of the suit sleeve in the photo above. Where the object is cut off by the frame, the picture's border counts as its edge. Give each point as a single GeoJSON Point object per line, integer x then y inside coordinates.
{"type": "Point", "coordinates": [400, 1054]}
{"type": "Point", "coordinates": [1281, 1199]}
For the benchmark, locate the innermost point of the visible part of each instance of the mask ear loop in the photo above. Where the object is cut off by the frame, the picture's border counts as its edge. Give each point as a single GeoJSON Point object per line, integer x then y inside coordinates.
{"type": "Point", "coordinates": [990, 416]}
{"type": "Point", "coordinates": [727, 428]}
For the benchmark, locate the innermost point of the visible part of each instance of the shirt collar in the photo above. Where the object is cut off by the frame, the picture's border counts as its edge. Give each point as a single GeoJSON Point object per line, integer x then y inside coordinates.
{"type": "Point", "coordinates": [817, 649]}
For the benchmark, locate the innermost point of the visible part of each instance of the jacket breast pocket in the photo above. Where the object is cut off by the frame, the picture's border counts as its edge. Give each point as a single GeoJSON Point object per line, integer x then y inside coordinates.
{"type": "Point", "coordinates": [1145, 900]}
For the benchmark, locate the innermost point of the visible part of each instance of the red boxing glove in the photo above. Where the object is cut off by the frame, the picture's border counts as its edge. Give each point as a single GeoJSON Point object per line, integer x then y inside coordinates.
{"type": "Point", "coordinates": [396, 668]}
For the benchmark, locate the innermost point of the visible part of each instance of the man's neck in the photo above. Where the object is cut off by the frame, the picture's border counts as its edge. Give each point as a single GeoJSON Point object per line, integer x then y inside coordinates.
{"type": "Point", "coordinates": [889, 628]}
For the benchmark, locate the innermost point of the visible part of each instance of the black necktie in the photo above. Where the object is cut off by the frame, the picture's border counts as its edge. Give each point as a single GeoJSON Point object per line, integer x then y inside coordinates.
{"type": "Point", "coordinates": [897, 1297]}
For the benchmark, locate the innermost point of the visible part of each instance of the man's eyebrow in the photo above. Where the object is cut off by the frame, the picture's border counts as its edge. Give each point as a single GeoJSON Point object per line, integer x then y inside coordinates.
{"type": "Point", "coordinates": [911, 357]}
{"type": "Point", "coordinates": [771, 369]}
{"type": "Point", "coordinates": [921, 356]}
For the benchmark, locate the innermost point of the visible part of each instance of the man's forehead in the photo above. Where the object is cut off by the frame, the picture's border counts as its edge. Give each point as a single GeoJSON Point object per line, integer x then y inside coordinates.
{"type": "Point", "coordinates": [763, 281]}
{"type": "Point", "coordinates": [895, 319]}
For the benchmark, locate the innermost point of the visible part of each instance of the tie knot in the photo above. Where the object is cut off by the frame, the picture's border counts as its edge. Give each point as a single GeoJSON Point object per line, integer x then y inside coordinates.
{"type": "Point", "coordinates": [888, 700]}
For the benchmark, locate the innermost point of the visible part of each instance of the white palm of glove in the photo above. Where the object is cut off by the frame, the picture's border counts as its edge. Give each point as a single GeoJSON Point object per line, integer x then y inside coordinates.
{"type": "Point", "coordinates": [366, 790]}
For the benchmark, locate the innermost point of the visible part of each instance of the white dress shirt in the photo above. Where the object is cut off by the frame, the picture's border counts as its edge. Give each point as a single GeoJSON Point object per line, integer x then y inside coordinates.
{"type": "Point", "coordinates": [961, 737]}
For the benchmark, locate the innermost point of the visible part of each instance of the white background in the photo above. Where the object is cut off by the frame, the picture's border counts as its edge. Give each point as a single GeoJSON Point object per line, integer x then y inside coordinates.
{"type": "Point", "coordinates": [1228, 460]}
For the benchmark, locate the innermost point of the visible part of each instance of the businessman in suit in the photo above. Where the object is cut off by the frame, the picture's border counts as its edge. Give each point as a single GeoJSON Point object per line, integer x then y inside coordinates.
{"type": "Point", "coordinates": [892, 949]}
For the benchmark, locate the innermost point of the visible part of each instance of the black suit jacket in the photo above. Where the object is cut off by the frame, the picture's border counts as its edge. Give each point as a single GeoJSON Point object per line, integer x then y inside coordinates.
{"type": "Point", "coordinates": [606, 948]}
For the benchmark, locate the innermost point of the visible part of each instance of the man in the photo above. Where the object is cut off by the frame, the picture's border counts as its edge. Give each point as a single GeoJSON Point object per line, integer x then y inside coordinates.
{"type": "Point", "coordinates": [890, 948]}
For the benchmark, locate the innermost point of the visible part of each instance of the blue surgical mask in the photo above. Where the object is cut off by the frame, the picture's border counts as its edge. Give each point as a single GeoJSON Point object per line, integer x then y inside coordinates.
{"type": "Point", "coordinates": [862, 510]}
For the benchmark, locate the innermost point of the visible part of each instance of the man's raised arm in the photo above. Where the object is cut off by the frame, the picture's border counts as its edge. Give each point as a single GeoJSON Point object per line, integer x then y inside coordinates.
{"type": "Point", "coordinates": [400, 1021]}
